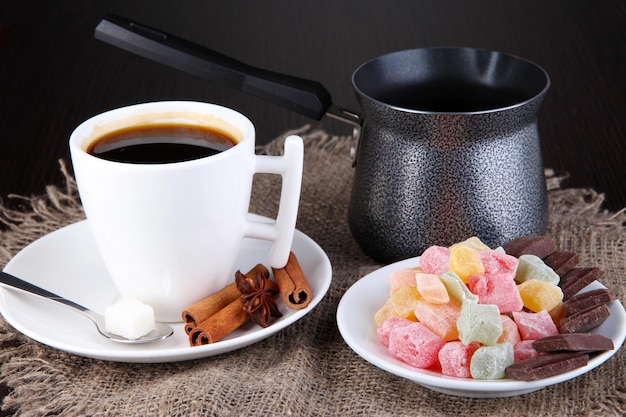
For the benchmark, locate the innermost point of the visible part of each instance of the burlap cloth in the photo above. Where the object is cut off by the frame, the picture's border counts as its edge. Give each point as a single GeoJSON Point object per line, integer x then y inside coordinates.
{"type": "Point", "coordinates": [305, 369]}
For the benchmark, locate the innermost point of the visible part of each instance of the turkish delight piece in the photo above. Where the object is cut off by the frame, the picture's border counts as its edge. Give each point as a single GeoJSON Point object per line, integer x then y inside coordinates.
{"type": "Point", "coordinates": [533, 267]}
{"type": "Point", "coordinates": [384, 313]}
{"type": "Point", "coordinates": [524, 350]}
{"type": "Point", "coordinates": [490, 362]}
{"type": "Point", "coordinates": [435, 260]}
{"type": "Point", "coordinates": [416, 345]}
{"type": "Point", "coordinates": [465, 261]}
{"type": "Point", "coordinates": [479, 323]}
{"type": "Point", "coordinates": [385, 329]}
{"type": "Point", "coordinates": [510, 332]}
{"type": "Point", "coordinates": [534, 326]}
{"type": "Point", "coordinates": [540, 295]}
{"type": "Point", "coordinates": [404, 301]}
{"type": "Point", "coordinates": [431, 288]}
{"type": "Point", "coordinates": [455, 358]}
{"type": "Point", "coordinates": [401, 278]}
{"type": "Point", "coordinates": [499, 263]}
{"type": "Point", "coordinates": [498, 289]}
{"type": "Point", "coordinates": [440, 318]}
{"type": "Point", "coordinates": [457, 288]}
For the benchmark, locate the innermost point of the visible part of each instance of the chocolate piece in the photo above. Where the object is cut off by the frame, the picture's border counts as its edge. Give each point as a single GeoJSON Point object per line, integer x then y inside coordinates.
{"type": "Point", "coordinates": [577, 279]}
{"type": "Point", "coordinates": [546, 365]}
{"type": "Point", "coordinates": [562, 262]}
{"type": "Point", "coordinates": [540, 246]}
{"type": "Point", "coordinates": [585, 320]}
{"type": "Point", "coordinates": [577, 342]}
{"type": "Point", "coordinates": [587, 300]}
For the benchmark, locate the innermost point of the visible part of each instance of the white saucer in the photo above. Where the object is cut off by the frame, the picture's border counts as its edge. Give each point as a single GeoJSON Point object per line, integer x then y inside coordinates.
{"type": "Point", "coordinates": [355, 318]}
{"type": "Point", "coordinates": [67, 263]}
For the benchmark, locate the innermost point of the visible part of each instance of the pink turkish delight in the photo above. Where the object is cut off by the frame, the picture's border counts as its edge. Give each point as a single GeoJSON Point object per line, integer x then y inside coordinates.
{"type": "Point", "coordinates": [498, 289]}
{"type": "Point", "coordinates": [385, 329]}
{"type": "Point", "coordinates": [524, 350]}
{"type": "Point", "coordinates": [415, 344]}
{"type": "Point", "coordinates": [534, 326]}
{"type": "Point", "coordinates": [435, 260]}
{"type": "Point", "coordinates": [455, 358]}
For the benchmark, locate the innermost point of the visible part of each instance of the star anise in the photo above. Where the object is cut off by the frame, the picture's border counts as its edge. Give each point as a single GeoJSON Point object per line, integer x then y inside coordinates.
{"type": "Point", "coordinates": [258, 296]}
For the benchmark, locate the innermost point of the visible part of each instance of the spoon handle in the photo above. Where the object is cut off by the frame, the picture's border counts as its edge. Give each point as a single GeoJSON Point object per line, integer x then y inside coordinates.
{"type": "Point", "coordinates": [162, 330]}
{"type": "Point", "coordinates": [11, 281]}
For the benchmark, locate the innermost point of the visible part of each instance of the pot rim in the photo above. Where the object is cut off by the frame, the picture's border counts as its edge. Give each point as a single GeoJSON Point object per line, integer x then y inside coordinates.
{"type": "Point", "coordinates": [456, 53]}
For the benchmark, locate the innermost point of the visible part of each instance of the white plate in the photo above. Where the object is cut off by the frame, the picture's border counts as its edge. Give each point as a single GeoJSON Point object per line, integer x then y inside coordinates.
{"type": "Point", "coordinates": [67, 262]}
{"type": "Point", "coordinates": [355, 318]}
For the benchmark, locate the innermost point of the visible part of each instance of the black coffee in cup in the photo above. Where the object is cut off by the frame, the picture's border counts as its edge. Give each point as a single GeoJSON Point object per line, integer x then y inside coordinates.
{"type": "Point", "coordinates": [160, 144]}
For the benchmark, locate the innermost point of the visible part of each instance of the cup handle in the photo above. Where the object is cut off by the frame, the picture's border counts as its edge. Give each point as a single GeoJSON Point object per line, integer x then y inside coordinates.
{"type": "Point", "coordinates": [281, 231]}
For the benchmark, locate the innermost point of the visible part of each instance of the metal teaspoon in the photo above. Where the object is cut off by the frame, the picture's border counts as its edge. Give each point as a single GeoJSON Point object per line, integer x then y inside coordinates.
{"type": "Point", "coordinates": [160, 332]}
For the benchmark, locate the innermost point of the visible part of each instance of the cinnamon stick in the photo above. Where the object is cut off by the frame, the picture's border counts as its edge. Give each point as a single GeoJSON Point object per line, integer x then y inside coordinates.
{"type": "Point", "coordinates": [220, 324]}
{"type": "Point", "coordinates": [205, 308]}
{"type": "Point", "coordinates": [294, 287]}
{"type": "Point", "coordinates": [256, 301]}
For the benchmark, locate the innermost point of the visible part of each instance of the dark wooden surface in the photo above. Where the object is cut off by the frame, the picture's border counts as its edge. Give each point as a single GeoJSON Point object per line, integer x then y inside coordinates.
{"type": "Point", "coordinates": [53, 74]}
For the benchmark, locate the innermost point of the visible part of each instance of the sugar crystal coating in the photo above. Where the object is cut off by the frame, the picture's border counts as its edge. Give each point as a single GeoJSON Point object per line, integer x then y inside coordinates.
{"type": "Point", "coordinates": [496, 262]}
{"type": "Point", "coordinates": [401, 278]}
{"type": "Point", "coordinates": [431, 288]}
{"type": "Point", "coordinates": [533, 267]}
{"type": "Point", "coordinates": [540, 295]}
{"type": "Point", "coordinates": [415, 344]}
{"type": "Point", "coordinates": [498, 289]}
{"type": "Point", "coordinates": [455, 358]}
{"type": "Point", "coordinates": [474, 243]}
{"type": "Point", "coordinates": [385, 312]}
{"type": "Point", "coordinates": [465, 261]}
{"type": "Point", "coordinates": [385, 329]}
{"type": "Point", "coordinates": [435, 260]}
{"type": "Point", "coordinates": [404, 301]}
{"type": "Point", "coordinates": [510, 332]}
{"type": "Point", "coordinates": [440, 318]}
{"type": "Point", "coordinates": [457, 288]}
{"type": "Point", "coordinates": [524, 349]}
{"type": "Point", "coordinates": [534, 326]}
{"type": "Point", "coordinates": [490, 362]}
{"type": "Point", "coordinates": [479, 323]}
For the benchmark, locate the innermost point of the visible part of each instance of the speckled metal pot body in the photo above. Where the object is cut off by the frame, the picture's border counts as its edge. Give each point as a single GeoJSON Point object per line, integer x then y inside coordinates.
{"type": "Point", "coordinates": [435, 178]}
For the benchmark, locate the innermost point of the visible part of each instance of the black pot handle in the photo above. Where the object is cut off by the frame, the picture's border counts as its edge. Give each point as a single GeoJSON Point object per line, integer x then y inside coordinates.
{"type": "Point", "coordinates": [303, 96]}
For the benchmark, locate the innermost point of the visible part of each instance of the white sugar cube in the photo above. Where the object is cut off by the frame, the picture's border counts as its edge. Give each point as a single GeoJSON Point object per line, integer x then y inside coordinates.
{"type": "Point", "coordinates": [129, 318]}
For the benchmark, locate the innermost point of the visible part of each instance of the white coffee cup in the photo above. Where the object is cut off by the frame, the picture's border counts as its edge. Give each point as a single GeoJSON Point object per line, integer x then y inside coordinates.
{"type": "Point", "coordinates": [170, 233]}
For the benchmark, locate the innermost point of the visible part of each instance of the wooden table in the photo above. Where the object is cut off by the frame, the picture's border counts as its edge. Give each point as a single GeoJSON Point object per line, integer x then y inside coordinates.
{"type": "Point", "coordinates": [54, 74]}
